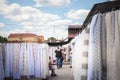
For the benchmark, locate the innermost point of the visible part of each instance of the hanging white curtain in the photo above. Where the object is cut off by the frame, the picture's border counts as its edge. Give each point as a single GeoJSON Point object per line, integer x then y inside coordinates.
{"type": "Point", "coordinates": [75, 59]}
{"type": "Point", "coordinates": [36, 60]}
{"type": "Point", "coordinates": [95, 61]}
{"type": "Point", "coordinates": [44, 55]}
{"type": "Point", "coordinates": [23, 59]}
{"type": "Point", "coordinates": [104, 51]}
{"type": "Point", "coordinates": [52, 52]}
{"type": "Point", "coordinates": [13, 60]}
{"type": "Point", "coordinates": [1, 64]}
{"type": "Point", "coordinates": [117, 43]}
{"type": "Point", "coordinates": [21, 52]}
{"type": "Point", "coordinates": [113, 44]}
{"type": "Point", "coordinates": [7, 61]}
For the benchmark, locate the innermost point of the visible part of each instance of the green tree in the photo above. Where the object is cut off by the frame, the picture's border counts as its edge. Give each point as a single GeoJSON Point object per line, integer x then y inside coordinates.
{"type": "Point", "coordinates": [52, 39]}
{"type": "Point", "coordinates": [3, 39]}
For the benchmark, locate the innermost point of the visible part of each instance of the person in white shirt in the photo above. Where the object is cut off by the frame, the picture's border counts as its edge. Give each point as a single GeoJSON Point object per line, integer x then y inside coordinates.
{"type": "Point", "coordinates": [51, 67]}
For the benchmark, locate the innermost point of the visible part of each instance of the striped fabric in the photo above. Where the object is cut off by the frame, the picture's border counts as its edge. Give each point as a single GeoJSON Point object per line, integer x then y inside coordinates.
{"type": "Point", "coordinates": [80, 59]}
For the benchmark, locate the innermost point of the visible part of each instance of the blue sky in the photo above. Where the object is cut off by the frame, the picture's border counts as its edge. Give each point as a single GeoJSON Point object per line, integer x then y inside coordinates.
{"type": "Point", "coordinates": [49, 18]}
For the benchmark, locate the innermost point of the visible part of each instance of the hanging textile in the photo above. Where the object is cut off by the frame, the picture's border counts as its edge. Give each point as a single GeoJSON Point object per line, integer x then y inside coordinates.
{"type": "Point", "coordinates": [12, 59]}
{"type": "Point", "coordinates": [21, 59]}
{"type": "Point", "coordinates": [52, 52]}
{"type": "Point", "coordinates": [117, 43]}
{"type": "Point", "coordinates": [7, 61]}
{"type": "Point", "coordinates": [112, 32]}
{"type": "Point", "coordinates": [103, 48]}
{"type": "Point", "coordinates": [1, 64]}
{"type": "Point", "coordinates": [30, 60]}
{"type": "Point", "coordinates": [79, 56]}
{"type": "Point", "coordinates": [15, 52]}
{"type": "Point", "coordinates": [36, 57]}
{"type": "Point", "coordinates": [103, 62]}
{"type": "Point", "coordinates": [25, 59]}
{"type": "Point", "coordinates": [45, 61]}
{"type": "Point", "coordinates": [80, 60]}
{"type": "Point", "coordinates": [75, 58]}
{"type": "Point", "coordinates": [95, 62]}
{"type": "Point", "coordinates": [90, 55]}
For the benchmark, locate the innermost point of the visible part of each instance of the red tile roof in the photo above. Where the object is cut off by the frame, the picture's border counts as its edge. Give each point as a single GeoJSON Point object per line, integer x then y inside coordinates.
{"type": "Point", "coordinates": [22, 35]}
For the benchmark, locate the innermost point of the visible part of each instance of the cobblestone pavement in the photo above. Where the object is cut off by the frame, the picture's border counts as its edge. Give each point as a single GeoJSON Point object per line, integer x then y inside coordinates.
{"type": "Point", "coordinates": [64, 73]}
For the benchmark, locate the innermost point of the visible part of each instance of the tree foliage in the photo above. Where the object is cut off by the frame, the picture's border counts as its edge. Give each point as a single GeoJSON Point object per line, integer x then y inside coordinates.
{"type": "Point", "coordinates": [3, 39]}
{"type": "Point", "coordinates": [52, 39]}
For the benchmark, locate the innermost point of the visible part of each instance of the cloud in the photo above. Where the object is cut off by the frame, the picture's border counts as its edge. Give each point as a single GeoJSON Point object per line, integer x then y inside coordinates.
{"type": "Point", "coordinates": [53, 28]}
{"type": "Point", "coordinates": [2, 1]}
{"type": "Point", "coordinates": [33, 20]}
{"type": "Point", "coordinates": [16, 12]}
{"type": "Point", "coordinates": [51, 3]}
{"type": "Point", "coordinates": [77, 14]}
{"type": "Point", "coordinates": [6, 33]}
{"type": "Point", "coordinates": [2, 24]}
{"type": "Point", "coordinates": [60, 22]}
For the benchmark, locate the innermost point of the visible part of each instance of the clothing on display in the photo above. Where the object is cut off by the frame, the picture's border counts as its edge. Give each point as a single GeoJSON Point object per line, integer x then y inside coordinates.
{"type": "Point", "coordinates": [103, 49]}
{"type": "Point", "coordinates": [29, 59]}
{"type": "Point", "coordinates": [79, 58]}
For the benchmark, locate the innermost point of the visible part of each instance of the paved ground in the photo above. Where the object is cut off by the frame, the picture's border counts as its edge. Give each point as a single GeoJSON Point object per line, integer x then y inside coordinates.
{"type": "Point", "coordinates": [65, 73]}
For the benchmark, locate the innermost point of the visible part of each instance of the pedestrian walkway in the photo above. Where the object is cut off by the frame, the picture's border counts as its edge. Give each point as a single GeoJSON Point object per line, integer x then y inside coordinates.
{"type": "Point", "coordinates": [64, 73]}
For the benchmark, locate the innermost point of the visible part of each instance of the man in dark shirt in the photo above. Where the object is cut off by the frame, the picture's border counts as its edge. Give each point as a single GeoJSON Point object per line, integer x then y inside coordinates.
{"type": "Point", "coordinates": [58, 56]}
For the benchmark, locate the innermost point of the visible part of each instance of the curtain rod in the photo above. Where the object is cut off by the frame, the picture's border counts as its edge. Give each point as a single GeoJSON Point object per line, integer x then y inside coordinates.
{"type": "Point", "coordinates": [100, 8]}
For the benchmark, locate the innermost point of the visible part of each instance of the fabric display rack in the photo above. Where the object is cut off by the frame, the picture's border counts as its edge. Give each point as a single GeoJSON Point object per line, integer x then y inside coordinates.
{"type": "Point", "coordinates": [23, 61]}
{"type": "Point", "coordinates": [96, 50]}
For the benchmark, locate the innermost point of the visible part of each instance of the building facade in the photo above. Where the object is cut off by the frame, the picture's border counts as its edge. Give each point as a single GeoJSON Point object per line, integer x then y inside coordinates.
{"type": "Point", "coordinates": [73, 30]}
{"type": "Point", "coordinates": [40, 39]}
{"type": "Point", "coordinates": [27, 37]}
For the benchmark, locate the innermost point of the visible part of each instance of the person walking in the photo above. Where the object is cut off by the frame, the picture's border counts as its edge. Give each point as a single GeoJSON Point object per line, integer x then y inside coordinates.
{"type": "Point", "coordinates": [62, 58]}
{"type": "Point", "coordinates": [58, 56]}
{"type": "Point", "coordinates": [70, 56]}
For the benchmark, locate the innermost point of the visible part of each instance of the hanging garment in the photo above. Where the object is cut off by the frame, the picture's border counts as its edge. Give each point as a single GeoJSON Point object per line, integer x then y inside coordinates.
{"type": "Point", "coordinates": [110, 34]}
{"type": "Point", "coordinates": [25, 60]}
{"type": "Point", "coordinates": [7, 61]}
{"type": "Point", "coordinates": [45, 61]}
{"type": "Point", "coordinates": [15, 65]}
{"type": "Point", "coordinates": [77, 57]}
{"type": "Point", "coordinates": [80, 55]}
{"type": "Point", "coordinates": [95, 62]}
{"type": "Point", "coordinates": [30, 60]}
{"type": "Point", "coordinates": [1, 64]}
{"type": "Point", "coordinates": [90, 55]}
{"type": "Point", "coordinates": [113, 44]}
{"type": "Point", "coordinates": [21, 52]}
{"type": "Point", "coordinates": [52, 53]}
{"type": "Point", "coordinates": [40, 59]}
{"type": "Point", "coordinates": [103, 48]}
{"type": "Point", "coordinates": [37, 60]}
{"type": "Point", "coordinates": [84, 55]}
{"type": "Point", "coordinates": [117, 43]}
